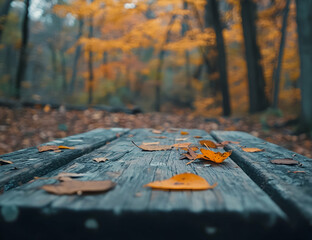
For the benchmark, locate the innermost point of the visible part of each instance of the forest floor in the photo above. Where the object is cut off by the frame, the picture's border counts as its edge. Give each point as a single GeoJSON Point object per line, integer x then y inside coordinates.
{"type": "Point", "coordinates": [27, 127]}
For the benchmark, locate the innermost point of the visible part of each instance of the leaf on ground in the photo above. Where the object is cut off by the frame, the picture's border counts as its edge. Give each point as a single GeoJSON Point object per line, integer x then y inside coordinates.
{"type": "Point", "coordinates": [150, 143]}
{"type": "Point", "coordinates": [154, 147]}
{"type": "Point", "coordinates": [216, 157]}
{"type": "Point", "coordinates": [184, 181]}
{"type": "Point", "coordinates": [4, 162]}
{"type": "Point", "coordinates": [184, 133]}
{"type": "Point", "coordinates": [224, 143]}
{"type": "Point", "coordinates": [198, 137]}
{"type": "Point", "coordinates": [285, 161]}
{"type": "Point", "coordinates": [181, 145]}
{"type": "Point", "coordinates": [157, 131]}
{"type": "Point", "coordinates": [208, 143]}
{"type": "Point", "coordinates": [193, 148]}
{"type": "Point", "coordinates": [181, 139]}
{"type": "Point", "coordinates": [52, 148]}
{"type": "Point", "coordinates": [100, 159]}
{"type": "Point", "coordinates": [79, 187]}
{"type": "Point", "coordinates": [252, 150]}
{"type": "Point", "coordinates": [159, 137]}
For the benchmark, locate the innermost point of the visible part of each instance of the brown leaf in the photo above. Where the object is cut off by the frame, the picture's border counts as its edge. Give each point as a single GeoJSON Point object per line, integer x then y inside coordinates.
{"type": "Point", "coordinates": [100, 159]}
{"type": "Point", "coordinates": [154, 148]}
{"type": "Point", "coordinates": [184, 133]}
{"type": "Point", "coordinates": [157, 131]}
{"type": "Point", "coordinates": [181, 139]}
{"type": "Point", "coordinates": [181, 145]}
{"type": "Point", "coordinates": [79, 187]}
{"type": "Point", "coordinates": [252, 150]}
{"type": "Point", "coordinates": [52, 148]}
{"type": "Point", "coordinates": [150, 143]}
{"type": "Point", "coordinates": [159, 137]}
{"type": "Point", "coordinates": [285, 161]}
{"type": "Point", "coordinates": [208, 143]}
{"type": "Point", "coordinates": [229, 142]}
{"type": "Point", "coordinates": [216, 157]}
{"type": "Point", "coordinates": [4, 162]}
{"type": "Point", "coordinates": [184, 181]}
{"type": "Point", "coordinates": [198, 137]}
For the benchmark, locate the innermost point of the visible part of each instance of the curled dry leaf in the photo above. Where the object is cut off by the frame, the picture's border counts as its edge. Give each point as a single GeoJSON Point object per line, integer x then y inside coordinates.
{"type": "Point", "coordinates": [52, 148]}
{"type": "Point", "coordinates": [157, 131]}
{"type": "Point", "coordinates": [285, 161]}
{"type": "Point", "coordinates": [154, 147]}
{"type": "Point", "coordinates": [208, 143]}
{"type": "Point", "coordinates": [181, 139]}
{"type": "Point", "coordinates": [252, 150]}
{"type": "Point", "coordinates": [184, 133]}
{"type": "Point", "coordinates": [79, 187]}
{"type": "Point", "coordinates": [181, 145]}
{"type": "Point", "coordinates": [216, 157]}
{"type": "Point", "coordinates": [198, 137]}
{"type": "Point", "coordinates": [150, 143]}
{"type": "Point", "coordinates": [4, 162]}
{"type": "Point", "coordinates": [184, 181]}
{"type": "Point", "coordinates": [100, 159]}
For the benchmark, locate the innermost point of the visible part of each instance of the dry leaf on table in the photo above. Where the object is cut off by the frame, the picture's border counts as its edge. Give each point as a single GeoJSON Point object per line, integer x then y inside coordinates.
{"type": "Point", "coordinates": [100, 159]}
{"type": "Point", "coordinates": [198, 137]}
{"type": "Point", "coordinates": [4, 162]}
{"type": "Point", "coordinates": [52, 148]}
{"type": "Point", "coordinates": [184, 133]}
{"type": "Point", "coordinates": [181, 145]}
{"type": "Point", "coordinates": [208, 143]}
{"type": "Point", "coordinates": [159, 137]}
{"type": "Point", "coordinates": [154, 147]}
{"type": "Point", "coordinates": [79, 187]}
{"type": "Point", "coordinates": [157, 131]}
{"type": "Point", "coordinates": [252, 150]}
{"type": "Point", "coordinates": [184, 181]}
{"type": "Point", "coordinates": [150, 143]}
{"type": "Point", "coordinates": [285, 161]}
{"type": "Point", "coordinates": [216, 157]}
{"type": "Point", "coordinates": [181, 139]}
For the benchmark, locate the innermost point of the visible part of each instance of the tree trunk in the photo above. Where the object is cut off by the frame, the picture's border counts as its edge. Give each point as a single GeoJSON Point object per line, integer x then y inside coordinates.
{"type": "Point", "coordinates": [23, 53]}
{"type": "Point", "coordinates": [161, 56]}
{"type": "Point", "coordinates": [221, 57]}
{"type": "Point", "coordinates": [63, 69]}
{"type": "Point", "coordinates": [3, 15]}
{"type": "Point", "coordinates": [90, 66]}
{"type": "Point", "coordinates": [304, 19]}
{"type": "Point", "coordinates": [76, 57]}
{"type": "Point", "coordinates": [257, 98]}
{"type": "Point", "coordinates": [184, 29]}
{"type": "Point", "coordinates": [277, 69]}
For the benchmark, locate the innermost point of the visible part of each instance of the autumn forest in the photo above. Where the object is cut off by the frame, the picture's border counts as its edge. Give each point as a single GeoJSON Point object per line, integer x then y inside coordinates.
{"type": "Point", "coordinates": [210, 58]}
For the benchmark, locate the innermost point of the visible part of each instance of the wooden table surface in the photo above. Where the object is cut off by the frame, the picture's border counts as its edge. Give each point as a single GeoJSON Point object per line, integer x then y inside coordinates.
{"type": "Point", "coordinates": [254, 198]}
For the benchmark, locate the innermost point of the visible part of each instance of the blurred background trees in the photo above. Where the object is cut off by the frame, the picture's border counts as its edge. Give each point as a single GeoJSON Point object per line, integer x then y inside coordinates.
{"type": "Point", "coordinates": [215, 57]}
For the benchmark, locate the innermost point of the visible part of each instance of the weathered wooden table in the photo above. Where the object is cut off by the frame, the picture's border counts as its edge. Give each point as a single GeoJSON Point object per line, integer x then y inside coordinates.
{"type": "Point", "coordinates": [254, 199]}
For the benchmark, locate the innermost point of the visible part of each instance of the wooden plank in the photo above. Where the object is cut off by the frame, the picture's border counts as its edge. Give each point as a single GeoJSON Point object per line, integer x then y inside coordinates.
{"type": "Point", "coordinates": [28, 163]}
{"type": "Point", "coordinates": [236, 206]}
{"type": "Point", "coordinates": [290, 189]}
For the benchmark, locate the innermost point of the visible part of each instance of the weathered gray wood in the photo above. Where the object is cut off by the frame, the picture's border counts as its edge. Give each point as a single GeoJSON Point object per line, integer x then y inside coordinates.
{"type": "Point", "coordinates": [236, 206]}
{"type": "Point", "coordinates": [292, 191]}
{"type": "Point", "coordinates": [28, 163]}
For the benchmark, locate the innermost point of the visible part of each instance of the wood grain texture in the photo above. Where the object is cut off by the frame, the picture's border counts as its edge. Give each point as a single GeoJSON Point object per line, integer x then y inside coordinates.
{"type": "Point", "coordinates": [28, 163]}
{"type": "Point", "coordinates": [291, 191]}
{"type": "Point", "coordinates": [237, 206]}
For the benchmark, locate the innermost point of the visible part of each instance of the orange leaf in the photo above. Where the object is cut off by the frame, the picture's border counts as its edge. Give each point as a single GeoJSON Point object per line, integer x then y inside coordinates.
{"type": "Point", "coordinates": [209, 143]}
{"type": "Point", "coordinates": [216, 157]}
{"type": "Point", "coordinates": [184, 133]}
{"type": "Point", "coordinates": [252, 150]}
{"type": "Point", "coordinates": [184, 181]}
{"type": "Point", "coordinates": [181, 145]}
{"type": "Point", "coordinates": [52, 148]}
{"type": "Point", "coordinates": [198, 137]}
{"type": "Point", "coordinates": [65, 147]}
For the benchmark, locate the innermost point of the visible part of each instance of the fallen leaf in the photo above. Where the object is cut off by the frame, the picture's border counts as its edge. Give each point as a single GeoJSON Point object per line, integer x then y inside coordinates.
{"type": "Point", "coordinates": [4, 162]}
{"type": "Point", "coordinates": [156, 131]}
{"type": "Point", "coordinates": [216, 157]}
{"type": "Point", "coordinates": [181, 145]}
{"type": "Point", "coordinates": [79, 187]}
{"type": "Point", "coordinates": [159, 137]}
{"type": "Point", "coordinates": [71, 175]}
{"type": "Point", "coordinates": [100, 159]}
{"type": "Point", "coordinates": [184, 133]}
{"type": "Point", "coordinates": [181, 139]}
{"type": "Point", "coordinates": [193, 148]}
{"type": "Point", "coordinates": [252, 150]}
{"type": "Point", "coordinates": [229, 142]}
{"type": "Point", "coordinates": [198, 137]}
{"type": "Point", "coordinates": [184, 181]}
{"type": "Point", "coordinates": [296, 171]}
{"type": "Point", "coordinates": [285, 161]}
{"type": "Point", "coordinates": [47, 108]}
{"type": "Point", "coordinates": [150, 143]}
{"type": "Point", "coordinates": [208, 143]}
{"type": "Point", "coordinates": [65, 147]}
{"type": "Point", "coordinates": [52, 148]}
{"type": "Point", "coordinates": [154, 148]}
